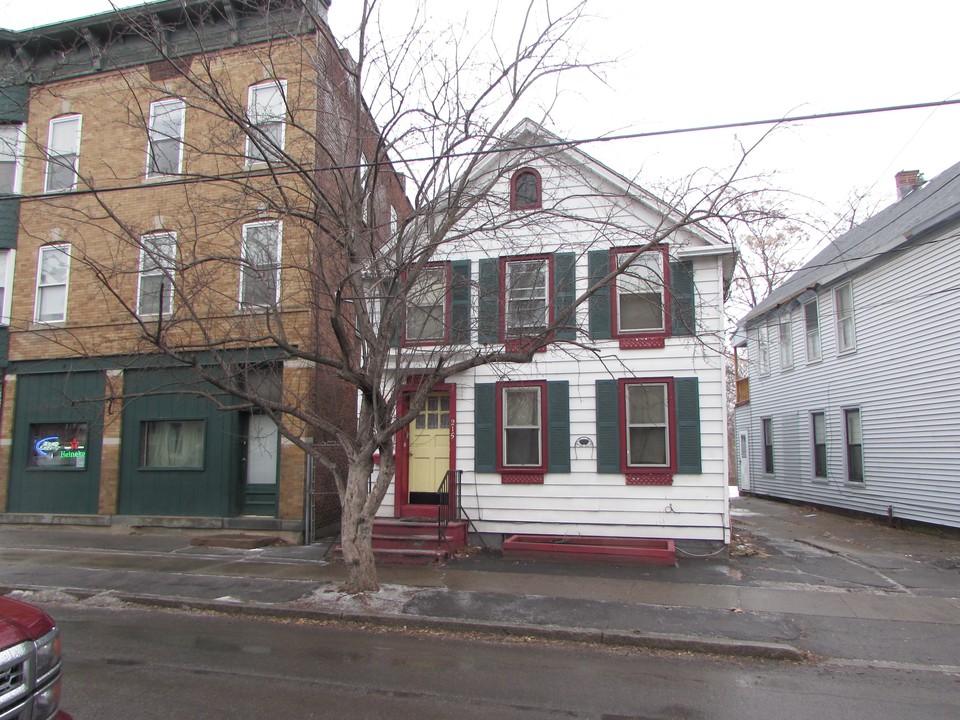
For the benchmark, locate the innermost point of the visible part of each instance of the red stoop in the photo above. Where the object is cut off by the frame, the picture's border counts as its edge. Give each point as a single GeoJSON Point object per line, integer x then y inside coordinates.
{"type": "Point", "coordinates": [414, 541]}
{"type": "Point", "coordinates": [604, 549]}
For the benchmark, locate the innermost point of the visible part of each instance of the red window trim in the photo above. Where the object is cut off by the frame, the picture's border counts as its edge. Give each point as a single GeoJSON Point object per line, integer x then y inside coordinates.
{"type": "Point", "coordinates": [521, 343]}
{"type": "Point", "coordinates": [524, 474]}
{"type": "Point", "coordinates": [447, 309]}
{"type": "Point", "coordinates": [640, 340]}
{"type": "Point", "coordinates": [514, 203]}
{"type": "Point", "coordinates": [646, 474]}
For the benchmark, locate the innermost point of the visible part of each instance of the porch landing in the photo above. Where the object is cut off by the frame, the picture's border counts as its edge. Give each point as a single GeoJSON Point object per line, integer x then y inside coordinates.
{"type": "Point", "coordinates": [594, 549]}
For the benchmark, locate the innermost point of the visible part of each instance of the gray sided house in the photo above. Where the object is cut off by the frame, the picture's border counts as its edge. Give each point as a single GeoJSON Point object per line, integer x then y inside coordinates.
{"type": "Point", "coordinates": [854, 382]}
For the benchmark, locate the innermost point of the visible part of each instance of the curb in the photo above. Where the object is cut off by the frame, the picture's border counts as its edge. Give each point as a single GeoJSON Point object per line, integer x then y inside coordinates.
{"type": "Point", "coordinates": [610, 638]}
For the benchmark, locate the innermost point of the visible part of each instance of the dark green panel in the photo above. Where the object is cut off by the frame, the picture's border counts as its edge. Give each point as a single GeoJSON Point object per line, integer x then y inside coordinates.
{"type": "Point", "coordinates": [688, 425]}
{"type": "Point", "coordinates": [683, 306]}
{"type": "Point", "coordinates": [460, 302]}
{"type": "Point", "coordinates": [485, 427]}
{"type": "Point", "coordinates": [57, 398]}
{"type": "Point", "coordinates": [598, 262]}
{"type": "Point", "coordinates": [210, 491]}
{"type": "Point", "coordinates": [558, 420]}
{"type": "Point", "coordinates": [489, 302]}
{"type": "Point", "coordinates": [13, 103]}
{"type": "Point", "coordinates": [565, 292]}
{"type": "Point", "coordinates": [608, 427]}
{"type": "Point", "coordinates": [9, 221]}
{"type": "Point", "coordinates": [4, 346]}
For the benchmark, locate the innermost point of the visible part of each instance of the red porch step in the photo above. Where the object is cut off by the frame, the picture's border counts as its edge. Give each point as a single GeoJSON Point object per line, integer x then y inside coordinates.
{"type": "Point", "coordinates": [414, 541]}
{"type": "Point", "coordinates": [602, 549]}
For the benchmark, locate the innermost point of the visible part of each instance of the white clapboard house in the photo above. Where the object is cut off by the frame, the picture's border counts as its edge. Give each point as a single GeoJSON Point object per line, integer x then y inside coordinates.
{"type": "Point", "coordinates": [614, 436]}
{"type": "Point", "coordinates": [854, 381]}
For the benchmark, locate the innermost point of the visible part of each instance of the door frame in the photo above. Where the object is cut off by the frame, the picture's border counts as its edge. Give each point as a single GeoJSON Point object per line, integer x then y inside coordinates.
{"type": "Point", "coordinates": [743, 461]}
{"type": "Point", "coordinates": [401, 506]}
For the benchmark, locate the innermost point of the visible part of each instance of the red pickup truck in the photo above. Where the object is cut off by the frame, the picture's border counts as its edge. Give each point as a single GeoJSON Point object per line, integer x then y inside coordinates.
{"type": "Point", "coordinates": [29, 663]}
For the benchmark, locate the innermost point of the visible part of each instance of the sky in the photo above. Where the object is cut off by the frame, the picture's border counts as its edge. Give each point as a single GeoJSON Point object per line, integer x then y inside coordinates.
{"type": "Point", "coordinates": [697, 62]}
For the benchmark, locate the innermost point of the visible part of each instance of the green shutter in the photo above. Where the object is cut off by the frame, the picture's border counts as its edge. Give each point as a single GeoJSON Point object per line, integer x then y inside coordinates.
{"type": "Point", "coordinates": [688, 425]}
{"type": "Point", "coordinates": [489, 302]}
{"type": "Point", "coordinates": [485, 428]}
{"type": "Point", "coordinates": [460, 302]}
{"type": "Point", "coordinates": [565, 292]}
{"type": "Point", "coordinates": [608, 427]}
{"type": "Point", "coordinates": [9, 221]}
{"type": "Point", "coordinates": [599, 303]}
{"type": "Point", "coordinates": [558, 420]}
{"type": "Point", "coordinates": [13, 103]}
{"type": "Point", "coordinates": [683, 318]}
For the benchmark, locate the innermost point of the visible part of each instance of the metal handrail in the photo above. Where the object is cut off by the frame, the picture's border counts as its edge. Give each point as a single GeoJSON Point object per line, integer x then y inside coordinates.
{"type": "Point", "coordinates": [443, 510]}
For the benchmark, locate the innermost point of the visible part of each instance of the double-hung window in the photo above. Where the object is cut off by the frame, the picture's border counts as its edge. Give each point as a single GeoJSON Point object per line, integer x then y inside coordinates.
{"type": "Point", "coordinates": [158, 253]}
{"type": "Point", "coordinates": [165, 137]}
{"type": "Point", "coordinates": [11, 158]}
{"type": "Point", "coordinates": [647, 423]}
{"type": "Point", "coordinates": [641, 295]}
{"type": "Point", "coordinates": [767, 426]}
{"type": "Point", "coordinates": [63, 153]}
{"type": "Point", "coordinates": [427, 305]}
{"type": "Point", "coordinates": [819, 431]}
{"type": "Point", "coordinates": [786, 343]}
{"type": "Point", "coordinates": [853, 439]}
{"type": "Point", "coordinates": [267, 111]}
{"type": "Point", "coordinates": [260, 264]}
{"type": "Point", "coordinates": [527, 297]}
{"type": "Point", "coordinates": [763, 350]}
{"type": "Point", "coordinates": [522, 423]}
{"type": "Point", "coordinates": [846, 331]}
{"type": "Point", "coordinates": [53, 270]}
{"type": "Point", "coordinates": [811, 324]}
{"type": "Point", "coordinates": [6, 284]}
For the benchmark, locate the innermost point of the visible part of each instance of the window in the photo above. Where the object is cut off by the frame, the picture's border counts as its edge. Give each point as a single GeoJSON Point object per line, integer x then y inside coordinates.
{"type": "Point", "coordinates": [811, 322]}
{"type": "Point", "coordinates": [767, 445]}
{"type": "Point", "coordinates": [819, 430]}
{"type": "Point", "coordinates": [63, 153]}
{"type": "Point", "coordinates": [6, 284]}
{"type": "Point", "coordinates": [11, 158]}
{"type": "Point", "coordinates": [53, 270]}
{"type": "Point", "coordinates": [260, 270]}
{"type": "Point", "coordinates": [854, 442]}
{"type": "Point", "coordinates": [267, 112]}
{"type": "Point", "coordinates": [641, 292]}
{"type": "Point", "coordinates": [525, 190]}
{"type": "Point", "coordinates": [58, 446]}
{"type": "Point", "coordinates": [526, 296]}
{"type": "Point", "coordinates": [364, 171]}
{"type": "Point", "coordinates": [647, 407]}
{"type": "Point", "coordinates": [522, 420]}
{"type": "Point", "coordinates": [165, 137]}
{"type": "Point", "coordinates": [763, 350]}
{"type": "Point", "coordinates": [393, 220]}
{"type": "Point", "coordinates": [157, 257]}
{"type": "Point", "coordinates": [171, 444]}
{"type": "Point", "coordinates": [427, 306]}
{"type": "Point", "coordinates": [786, 344]}
{"type": "Point", "coordinates": [846, 332]}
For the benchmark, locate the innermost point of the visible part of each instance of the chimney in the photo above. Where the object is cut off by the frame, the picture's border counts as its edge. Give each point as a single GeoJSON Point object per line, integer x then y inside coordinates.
{"type": "Point", "coordinates": [907, 182]}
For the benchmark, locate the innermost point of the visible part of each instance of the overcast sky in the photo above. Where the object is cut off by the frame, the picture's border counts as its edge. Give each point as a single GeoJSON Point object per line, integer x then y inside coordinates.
{"type": "Point", "coordinates": [704, 62]}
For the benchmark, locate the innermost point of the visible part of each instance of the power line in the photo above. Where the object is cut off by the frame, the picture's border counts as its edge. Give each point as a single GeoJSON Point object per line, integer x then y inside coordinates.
{"type": "Point", "coordinates": [272, 171]}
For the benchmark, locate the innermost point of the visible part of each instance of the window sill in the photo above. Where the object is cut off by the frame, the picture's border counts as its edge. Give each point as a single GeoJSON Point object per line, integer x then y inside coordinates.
{"type": "Point", "coordinates": [521, 478]}
{"type": "Point", "coordinates": [159, 179]}
{"type": "Point", "coordinates": [650, 478]}
{"type": "Point", "coordinates": [642, 342]}
{"type": "Point", "coordinates": [844, 353]}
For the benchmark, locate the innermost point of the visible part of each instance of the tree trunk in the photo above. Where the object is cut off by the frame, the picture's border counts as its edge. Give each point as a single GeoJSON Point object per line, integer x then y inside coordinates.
{"type": "Point", "coordinates": [356, 533]}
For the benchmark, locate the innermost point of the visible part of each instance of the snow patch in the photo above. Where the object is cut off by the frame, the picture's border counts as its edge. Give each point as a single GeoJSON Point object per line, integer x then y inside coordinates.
{"type": "Point", "coordinates": [389, 599]}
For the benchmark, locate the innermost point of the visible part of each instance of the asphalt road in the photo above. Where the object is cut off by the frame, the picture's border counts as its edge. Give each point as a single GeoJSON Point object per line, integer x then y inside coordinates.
{"type": "Point", "coordinates": [123, 663]}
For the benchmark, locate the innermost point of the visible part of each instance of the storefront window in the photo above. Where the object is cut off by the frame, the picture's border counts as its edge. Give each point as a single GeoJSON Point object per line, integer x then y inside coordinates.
{"type": "Point", "coordinates": [172, 444]}
{"type": "Point", "coordinates": [58, 445]}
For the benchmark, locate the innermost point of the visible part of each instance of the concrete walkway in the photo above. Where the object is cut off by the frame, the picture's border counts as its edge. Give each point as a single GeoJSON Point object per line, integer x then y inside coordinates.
{"type": "Point", "coordinates": [797, 583]}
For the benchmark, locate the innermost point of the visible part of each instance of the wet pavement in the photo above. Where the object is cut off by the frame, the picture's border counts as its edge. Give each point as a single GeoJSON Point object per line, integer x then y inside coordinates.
{"type": "Point", "coordinates": [796, 582]}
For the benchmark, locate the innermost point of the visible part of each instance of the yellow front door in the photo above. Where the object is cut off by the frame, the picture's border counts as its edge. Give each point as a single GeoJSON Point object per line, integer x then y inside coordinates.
{"type": "Point", "coordinates": [430, 450]}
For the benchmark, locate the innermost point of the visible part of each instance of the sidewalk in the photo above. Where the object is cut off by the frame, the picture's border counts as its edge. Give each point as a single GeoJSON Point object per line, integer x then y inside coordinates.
{"type": "Point", "coordinates": [798, 582]}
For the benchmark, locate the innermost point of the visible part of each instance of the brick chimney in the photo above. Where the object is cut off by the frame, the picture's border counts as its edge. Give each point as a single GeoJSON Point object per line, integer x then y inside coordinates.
{"type": "Point", "coordinates": [907, 182]}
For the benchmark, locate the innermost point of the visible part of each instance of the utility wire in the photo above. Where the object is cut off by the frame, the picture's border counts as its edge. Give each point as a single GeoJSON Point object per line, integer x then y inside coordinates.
{"type": "Point", "coordinates": [271, 172]}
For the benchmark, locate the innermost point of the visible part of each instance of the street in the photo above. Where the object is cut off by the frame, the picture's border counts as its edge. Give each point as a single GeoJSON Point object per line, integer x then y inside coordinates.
{"type": "Point", "coordinates": [124, 663]}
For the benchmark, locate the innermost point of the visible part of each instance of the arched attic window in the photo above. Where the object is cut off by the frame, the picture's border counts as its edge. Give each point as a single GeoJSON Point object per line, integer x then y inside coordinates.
{"type": "Point", "coordinates": [525, 190]}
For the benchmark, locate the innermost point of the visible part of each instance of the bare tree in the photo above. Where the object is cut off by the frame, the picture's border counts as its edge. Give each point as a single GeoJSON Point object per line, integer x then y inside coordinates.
{"type": "Point", "coordinates": [319, 166]}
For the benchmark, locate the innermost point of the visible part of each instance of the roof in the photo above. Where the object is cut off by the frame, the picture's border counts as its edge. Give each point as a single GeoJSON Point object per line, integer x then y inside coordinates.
{"type": "Point", "coordinates": [920, 213]}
